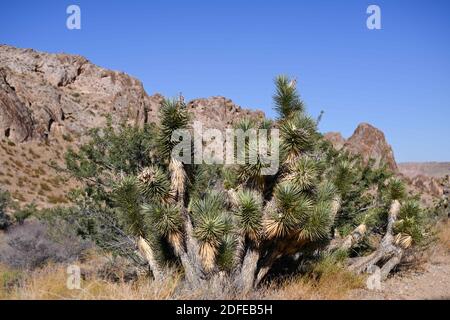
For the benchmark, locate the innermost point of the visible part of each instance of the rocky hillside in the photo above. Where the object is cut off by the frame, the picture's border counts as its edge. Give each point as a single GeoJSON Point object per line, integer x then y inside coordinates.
{"type": "Point", "coordinates": [433, 177]}
{"type": "Point", "coordinates": [49, 101]}
{"type": "Point", "coordinates": [428, 169]}
{"type": "Point", "coordinates": [46, 95]}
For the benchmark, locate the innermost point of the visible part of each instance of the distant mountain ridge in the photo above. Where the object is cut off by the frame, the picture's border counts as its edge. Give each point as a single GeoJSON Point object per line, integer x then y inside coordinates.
{"type": "Point", "coordinates": [429, 169]}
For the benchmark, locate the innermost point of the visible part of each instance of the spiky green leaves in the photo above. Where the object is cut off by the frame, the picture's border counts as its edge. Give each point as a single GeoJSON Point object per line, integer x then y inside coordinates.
{"type": "Point", "coordinates": [287, 100]}
{"type": "Point", "coordinates": [292, 207]}
{"type": "Point", "coordinates": [251, 173]}
{"type": "Point", "coordinates": [211, 228]}
{"type": "Point", "coordinates": [249, 213]}
{"type": "Point", "coordinates": [344, 176]}
{"type": "Point", "coordinates": [173, 116]}
{"type": "Point", "coordinates": [298, 135]}
{"type": "Point", "coordinates": [297, 213]}
{"type": "Point", "coordinates": [247, 152]}
{"type": "Point", "coordinates": [164, 218]}
{"type": "Point", "coordinates": [410, 221]}
{"type": "Point", "coordinates": [213, 203]}
{"type": "Point", "coordinates": [211, 225]}
{"type": "Point", "coordinates": [245, 124]}
{"type": "Point", "coordinates": [396, 189]}
{"type": "Point", "coordinates": [318, 222]}
{"type": "Point", "coordinates": [126, 196]}
{"type": "Point", "coordinates": [304, 173]}
{"type": "Point", "coordinates": [154, 184]}
{"type": "Point", "coordinates": [326, 191]}
{"type": "Point", "coordinates": [227, 252]}
{"type": "Point", "coordinates": [167, 221]}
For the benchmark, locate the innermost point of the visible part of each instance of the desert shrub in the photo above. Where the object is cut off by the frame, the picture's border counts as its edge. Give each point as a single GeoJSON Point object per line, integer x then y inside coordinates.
{"type": "Point", "coordinates": [45, 187]}
{"type": "Point", "coordinates": [5, 199]}
{"type": "Point", "coordinates": [67, 137]}
{"type": "Point", "coordinates": [119, 269]}
{"type": "Point", "coordinates": [33, 244]}
{"type": "Point", "coordinates": [22, 214]}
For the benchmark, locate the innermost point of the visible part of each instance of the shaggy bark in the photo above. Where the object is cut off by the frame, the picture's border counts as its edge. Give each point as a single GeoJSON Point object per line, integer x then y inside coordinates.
{"type": "Point", "coordinates": [191, 258]}
{"type": "Point", "coordinates": [147, 252]}
{"type": "Point", "coordinates": [349, 241]}
{"type": "Point", "coordinates": [248, 270]}
{"type": "Point", "coordinates": [387, 251]}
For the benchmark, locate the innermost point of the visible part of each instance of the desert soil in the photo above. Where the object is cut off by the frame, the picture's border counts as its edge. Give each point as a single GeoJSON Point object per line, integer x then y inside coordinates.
{"type": "Point", "coordinates": [429, 281]}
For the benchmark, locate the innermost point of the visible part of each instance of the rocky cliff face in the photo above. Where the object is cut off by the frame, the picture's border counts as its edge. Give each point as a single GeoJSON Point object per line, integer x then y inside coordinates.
{"type": "Point", "coordinates": [59, 93]}
{"type": "Point", "coordinates": [368, 142]}
{"type": "Point", "coordinates": [430, 177]}
{"type": "Point", "coordinates": [45, 95]}
{"type": "Point", "coordinates": [371, 143]}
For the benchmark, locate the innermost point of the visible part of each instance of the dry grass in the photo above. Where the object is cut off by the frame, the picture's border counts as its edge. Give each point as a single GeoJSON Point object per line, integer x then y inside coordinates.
{"type": "Point", "coordinates": [444, 234]}
{"type": "Point", "coordinates": [49, 283]}
{"type": "Point", "coordinates": [334, 285]}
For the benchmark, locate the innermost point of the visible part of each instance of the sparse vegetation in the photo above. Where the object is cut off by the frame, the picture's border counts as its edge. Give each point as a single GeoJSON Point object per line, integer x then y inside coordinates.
{"type": "Point", "coordinates": [33, 244]}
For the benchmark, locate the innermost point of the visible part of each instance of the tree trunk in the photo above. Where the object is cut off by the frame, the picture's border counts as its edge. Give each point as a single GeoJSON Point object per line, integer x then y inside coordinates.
{"type": "Point", "coordinates": [387, 251]}
{"type": "Point", "coordinates": [190, 259]}
{"type": "Point", "coordinates": [147, 252]}
{"type": "Point", "coordinates": [248, 270]}
{"type": "Point", "coordinates": [349, 241]}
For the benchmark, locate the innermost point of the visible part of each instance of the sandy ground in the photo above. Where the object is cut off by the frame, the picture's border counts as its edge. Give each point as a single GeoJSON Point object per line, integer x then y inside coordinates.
{"type": "Point", "coordinates": [430, 281]}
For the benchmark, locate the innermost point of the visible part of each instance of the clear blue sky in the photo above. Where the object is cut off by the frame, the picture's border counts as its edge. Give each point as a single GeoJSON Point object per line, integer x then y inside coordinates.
{"type": "Point", "coordinates": [397, 78]}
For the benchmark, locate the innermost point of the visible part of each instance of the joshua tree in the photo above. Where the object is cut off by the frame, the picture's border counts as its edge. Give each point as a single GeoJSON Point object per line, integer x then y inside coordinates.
{"type": "Point", "coordinates": [235, 224]}
{"type": "Point", "coordinates": [241, 231]}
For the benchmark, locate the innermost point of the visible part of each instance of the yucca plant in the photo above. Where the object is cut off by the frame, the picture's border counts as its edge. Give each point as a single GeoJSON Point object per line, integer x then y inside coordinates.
{"type": "Point", "coordinates": [237, 223]}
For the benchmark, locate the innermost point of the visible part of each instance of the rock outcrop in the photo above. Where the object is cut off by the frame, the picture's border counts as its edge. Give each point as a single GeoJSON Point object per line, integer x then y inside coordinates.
{"type": "Point", "coordinates": [219, 112]}
{"type": "Point", "coordinates": [336, 139]}
{"type": "Point", "coordinates": [65, 93]}
{"type": "Point", "coordinates": [15, 118]}
{"type": "Point", "coordinates": [368, 142]}
{"type": "Point", "coordinates": [428, 185]}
